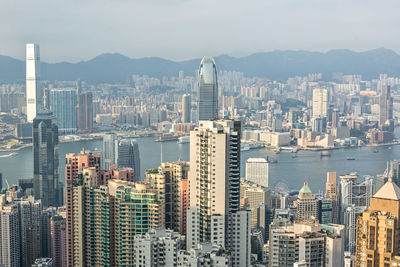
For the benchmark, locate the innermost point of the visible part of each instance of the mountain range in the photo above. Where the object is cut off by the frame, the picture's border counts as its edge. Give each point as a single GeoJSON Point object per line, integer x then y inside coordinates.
{"type": "Point", "coordinates": [276, 65]}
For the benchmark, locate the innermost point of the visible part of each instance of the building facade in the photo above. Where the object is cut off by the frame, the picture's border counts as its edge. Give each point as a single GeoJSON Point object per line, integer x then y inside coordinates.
{"type": "Point", "coordinates": [47, 187]}
{"type": "Point", "coordinates": [257, 171]}
{"type": "Point", "coordinates": [207, 90]}
{"type": "Point", "coordinates": [129, 156]}
{"type": "Point", "coordinates": [33, 87]}
{"type": "Point", "coordinates": [63, 105]}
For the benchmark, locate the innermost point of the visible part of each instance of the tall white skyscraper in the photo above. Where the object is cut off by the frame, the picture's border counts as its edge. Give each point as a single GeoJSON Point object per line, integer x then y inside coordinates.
{"type": "Point", "coordinates": [320, 102]}
{"type": "Point", "coordinates": [33, 88]}
{"type": "Point", "coordinates": [207, 90]}
{"type": "Point", "coordinates": [257, 171]}
{"type": "Point", "coordinates": [214, 213]}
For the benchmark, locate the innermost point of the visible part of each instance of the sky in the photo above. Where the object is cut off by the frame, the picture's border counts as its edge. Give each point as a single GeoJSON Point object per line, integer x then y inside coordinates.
{"type": "Point", "coordinates": [75, 30]}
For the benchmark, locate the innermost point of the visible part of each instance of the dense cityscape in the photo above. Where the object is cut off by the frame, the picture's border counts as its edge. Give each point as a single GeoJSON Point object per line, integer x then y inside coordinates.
{"type": "Point", "coordinates": [104, 209]}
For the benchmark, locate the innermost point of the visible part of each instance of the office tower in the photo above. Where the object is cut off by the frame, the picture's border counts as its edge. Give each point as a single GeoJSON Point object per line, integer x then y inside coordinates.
{"type": "Point", "coordinates": [355, 193]}
{"type": "Point", "coordinates": [58, 241]}
{"type": "Point", "coordinates": [33, 87]}
{"type": "Point", "coordinates": [355, 198]}
{"type": "Point", "coordinates": [214, 182]}
{"type": "Point", "coordinates": [333, 194]}
{"type": "Point", "coordinates": [320, 103]}
{"type": "Point", "coordinates": [207, 90]}
{"type": "Point", "coordinates": [110, 150]}
{"type": "Point", "coordinates": [350, 215]}
{"type": "Point", "coordinates": [45, 160]}
{"type": "Point", "coordinates": [128, 156]}
{"type": "Point", "coordinates": [306, 204]}
{"type": "Point", "coordinates": [10, 234]}
{"type": "Point", "coordinates": [84, 120]}
{"type": "Point", "coordinates": [186, 108]}
{"type": "Point", "coordinates": [158, 247]}
{"type": "Point", "coordinates": [378, 228]}
{"type": "Point", "coordinates": [63, 105]}
{"type": "Point", "coordinates": [74, 165]}
{"type": "Point", "coordinates": [335, 118]}
{"type": "Point", "coordinates": [255, 196]}
{"type": "Point", "coordinates": [385, 106]}
{"type": "Point", "coordinates": [257, 171]}
{"type": "Point", "coordinates": [395, 171]}
{"type": "Point", "coordinates": [205, 254]}
{"type": "Point", "coordinates": [324, 210]}
{"type": "Point", "coordinates": [171, 182]}
{"type": "Point", "coordinates": [264, 219]}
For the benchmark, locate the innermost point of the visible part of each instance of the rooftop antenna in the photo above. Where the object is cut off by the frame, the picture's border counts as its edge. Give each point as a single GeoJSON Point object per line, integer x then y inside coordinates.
{"type": "Point", "coordinates": [8, 186]}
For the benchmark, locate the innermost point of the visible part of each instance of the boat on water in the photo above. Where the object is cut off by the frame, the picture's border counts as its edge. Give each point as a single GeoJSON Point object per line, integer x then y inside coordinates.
{"type": "Point", "coordinates": [184, 139]}
{"type": "Point", "coordinates": [294, 155]}
{"type": "Point", "coordinates": [325, 153]}
{"type": "Point", "coordinates": [375, 151]}
{"type": "Point", "coordinates": [350, 158]}
{"type": "Point", "coordinates": [166, 137]}
{"type": "Point", "coordinates": [8, 155]}
{"type": "Point", "coordinates": [244, 147]}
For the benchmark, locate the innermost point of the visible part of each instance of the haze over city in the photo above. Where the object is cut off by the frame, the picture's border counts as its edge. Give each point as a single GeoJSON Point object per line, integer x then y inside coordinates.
{"type": "Point", "coordinates": [185, 29]}
{"type": "Point", "coordinates": [199, 133]}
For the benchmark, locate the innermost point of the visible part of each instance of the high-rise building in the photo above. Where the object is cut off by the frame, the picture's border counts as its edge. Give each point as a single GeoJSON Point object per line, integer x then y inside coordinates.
{"type": "Point", "coordinates": [186, 108]}
{"type": "Point", "coordinates": [63, 105]}
{"type": "Point", "coordinates": [385, 106]}
{"type": "Point", "coordinates": [170, 181]}
{"type": "Point", "coordinates": [257, 171]}
{"type": "Point", "coordinates": [332, 193]}
{"type": "Point", "coordinates": [307, 242]}
{"type": "Point", "coordinates": [84, 120]}
{"type": "Point", "coordinates": [355, 198]}
{"type": "Point", "coordinates": [254, 195]}
{"type": "Point", "coordinates": [378, 229]}
{"type": "Point", "coordinates": [108, 217]}
{"type": "Point", "coordinates": [47, 187]}
{"type": "Point", "coordinates": [33, 87]}
{"type": "Point", "coordinates": [128, 156]}
{"type": "Point", "coordinates": [214, 214]}
{"type": "Point", "coordinates": [320, 103]}
{"type": "Point", "coordinates": [355, 193]}
{"type": "Point", "coordinates": [74, 165]}
{"type": "Point", "coordinates": [58, 241]}
{"type": "Point", "coordinates": [306, 204]}
{"type": "Point", "coordinates": [110, 151]}
{"type": "Point", "coordinates": [207, 105]}
{"type": "Point", "coordinates": [158, 247]}
{"type": "Point", "coordinates": [395, 171]}
{"type": "Point", "coordinates": [30, 227]}
{"type": "Point", "coordinates": [10, 235]}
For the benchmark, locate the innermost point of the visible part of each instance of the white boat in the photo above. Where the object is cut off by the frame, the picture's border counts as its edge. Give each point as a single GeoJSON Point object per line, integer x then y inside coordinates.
{"type": "Point", "coordinates": [244, 147]}
{"type": "Point", "coordinates": [8, 155]}
{"type": "Point", "coordinates": [184, 139]}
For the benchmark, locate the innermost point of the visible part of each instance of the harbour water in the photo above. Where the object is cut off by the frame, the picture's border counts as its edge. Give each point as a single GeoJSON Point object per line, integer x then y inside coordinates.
{"type": "Point", "coordinates": [290, 172]}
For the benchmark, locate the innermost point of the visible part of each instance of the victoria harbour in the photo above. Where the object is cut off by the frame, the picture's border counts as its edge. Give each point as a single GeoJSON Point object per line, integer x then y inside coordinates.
{"type": "Point", "coordinates": [290, 172]}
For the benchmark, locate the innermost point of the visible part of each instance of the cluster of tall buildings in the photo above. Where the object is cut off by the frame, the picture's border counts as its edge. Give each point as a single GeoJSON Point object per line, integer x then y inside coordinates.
{"type": "Point", "coordinates": [196, 213]}
{"type": "Point", "coordinates": [73, 109]}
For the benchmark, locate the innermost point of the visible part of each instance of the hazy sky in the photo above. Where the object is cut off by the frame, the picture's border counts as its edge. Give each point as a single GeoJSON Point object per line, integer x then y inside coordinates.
{"type": "Point", "coordinates": [74, 30]}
